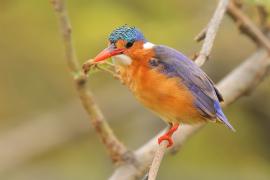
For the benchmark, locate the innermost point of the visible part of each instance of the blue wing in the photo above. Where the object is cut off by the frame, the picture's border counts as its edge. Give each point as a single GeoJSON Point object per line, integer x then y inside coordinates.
{"type": "Point", "coordinates": [175, 64]}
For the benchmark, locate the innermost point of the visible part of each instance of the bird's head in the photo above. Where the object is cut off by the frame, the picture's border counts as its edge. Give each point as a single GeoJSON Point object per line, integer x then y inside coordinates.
{"type": "Point", "coordinates": [125, 43]}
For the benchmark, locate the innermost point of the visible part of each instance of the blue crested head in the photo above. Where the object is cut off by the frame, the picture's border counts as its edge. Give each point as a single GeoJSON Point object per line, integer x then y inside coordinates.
{"type": "Point", "coordinates": [127, 33]}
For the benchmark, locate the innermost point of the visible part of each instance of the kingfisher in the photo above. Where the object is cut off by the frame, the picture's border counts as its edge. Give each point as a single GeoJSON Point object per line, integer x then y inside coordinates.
{"type": "Point", "coordinates": [164, 80]}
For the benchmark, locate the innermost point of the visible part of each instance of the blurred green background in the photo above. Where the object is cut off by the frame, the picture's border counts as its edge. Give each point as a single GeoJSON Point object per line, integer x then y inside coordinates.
{"type": "Point", "coordinates": [44, 131]}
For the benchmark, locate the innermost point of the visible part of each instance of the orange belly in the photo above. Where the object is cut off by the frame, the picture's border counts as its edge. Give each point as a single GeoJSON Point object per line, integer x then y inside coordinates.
{"type": "Point", "coordinates": [167, 97]}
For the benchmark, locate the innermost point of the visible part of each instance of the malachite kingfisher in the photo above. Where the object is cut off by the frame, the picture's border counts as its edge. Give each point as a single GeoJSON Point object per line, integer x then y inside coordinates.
{"type": "Point", "coordinates": [164, 80]}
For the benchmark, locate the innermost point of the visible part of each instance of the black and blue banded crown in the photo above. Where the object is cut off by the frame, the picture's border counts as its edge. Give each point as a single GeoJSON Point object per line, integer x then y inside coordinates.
{"type": "Point", "coordinates": [129, 34]}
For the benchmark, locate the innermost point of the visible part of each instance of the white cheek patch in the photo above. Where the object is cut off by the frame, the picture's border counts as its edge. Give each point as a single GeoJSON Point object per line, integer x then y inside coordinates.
{"type": "Point", "coordinates": [148, 45]}
{"type": "Point", "coordinates": [122, 59]}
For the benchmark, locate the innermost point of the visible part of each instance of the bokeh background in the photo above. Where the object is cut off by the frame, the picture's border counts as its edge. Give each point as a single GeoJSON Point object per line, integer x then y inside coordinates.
{"type": "Point", "coordinates": [44, 131]}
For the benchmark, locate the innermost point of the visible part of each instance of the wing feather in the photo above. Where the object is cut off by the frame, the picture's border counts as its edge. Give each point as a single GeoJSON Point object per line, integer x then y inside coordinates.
{"type": "Point", "coordinates": [178, 65]}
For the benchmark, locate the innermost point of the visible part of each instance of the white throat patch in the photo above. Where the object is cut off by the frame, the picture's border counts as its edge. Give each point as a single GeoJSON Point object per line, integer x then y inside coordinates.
{"type": "Point", "coordinates": [122, 59]}
{"type": "Point", "coordinates": [148, 45]}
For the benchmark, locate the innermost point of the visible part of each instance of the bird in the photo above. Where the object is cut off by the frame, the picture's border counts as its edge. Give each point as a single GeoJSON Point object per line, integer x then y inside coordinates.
{"type": "Point", "coordinates": [164, 80]}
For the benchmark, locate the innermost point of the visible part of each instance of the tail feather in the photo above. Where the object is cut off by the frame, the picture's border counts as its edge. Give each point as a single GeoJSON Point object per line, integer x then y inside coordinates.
{"type": "Point", "coordinates": [221, 116]}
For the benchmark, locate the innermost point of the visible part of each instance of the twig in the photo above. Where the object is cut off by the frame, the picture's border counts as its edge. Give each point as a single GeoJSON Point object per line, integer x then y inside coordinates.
{"type": "Point", "coordinates": [65, 26]}
{"type": "Point", "coordinates": [109, 64]}
{"type": "Point", "coordinates": [89, 65]}
{"type": "Point", "coordinates": [113, 73]}
{"type": "Point", "coordinates": [246, 25]}
{"type": "Point", "coordinates": [211, 32]}
{"type": "Point", "coordinates": [118, 152]}
{"type": "Point", "coordinates": [262, 16]}
{"type": "Point", "coordinates": [157, 160]}
{"type": "Point", "coordinates": [201, 36]}
{"type": "Point", "coordinates": [210, 35]}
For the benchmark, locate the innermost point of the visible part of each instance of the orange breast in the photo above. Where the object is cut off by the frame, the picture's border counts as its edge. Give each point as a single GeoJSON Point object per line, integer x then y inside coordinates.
{"type": "Point", "coordinates": [167, 97]}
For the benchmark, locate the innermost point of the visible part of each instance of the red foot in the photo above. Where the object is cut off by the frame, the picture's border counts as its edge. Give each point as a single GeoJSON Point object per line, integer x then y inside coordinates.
{"type": "Point", "coordinates": [168, 135]}
{"type": "Point", "coordinates": [167, 138]}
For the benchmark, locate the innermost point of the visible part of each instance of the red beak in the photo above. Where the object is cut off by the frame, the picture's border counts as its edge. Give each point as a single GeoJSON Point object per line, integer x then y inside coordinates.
{"type": "Point", "coordinates": [107, 53]}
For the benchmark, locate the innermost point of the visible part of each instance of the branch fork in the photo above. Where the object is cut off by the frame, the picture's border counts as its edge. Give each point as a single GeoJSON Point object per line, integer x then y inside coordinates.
{"type": "Point", "coordinates": [117, 150]}
{"type": "Point", "coordinates": [133, 165]}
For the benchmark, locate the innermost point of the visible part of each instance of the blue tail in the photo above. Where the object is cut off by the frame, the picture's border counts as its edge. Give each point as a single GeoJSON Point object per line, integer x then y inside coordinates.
{"type": "Point", "coordinates": [221, 116]}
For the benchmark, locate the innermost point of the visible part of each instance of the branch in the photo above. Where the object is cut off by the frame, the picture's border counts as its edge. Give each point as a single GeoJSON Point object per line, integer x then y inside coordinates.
{"type": "Point", "coordinates": [211, 32]}
{"type": "Point", "coordinates": [252, 74]}
{"type": "Point", "coordinates": [118, 152]}
{"type": "Point", "coordinates": [262, 17]}
{"type": "Point", "coordinates": [157, 160]}
{"type": "Point", "coordinates": [65, 26]}
{"type": "Point", "coordinates": [210, 35]}
{"type": "Point", "coordinates": [246, 25]}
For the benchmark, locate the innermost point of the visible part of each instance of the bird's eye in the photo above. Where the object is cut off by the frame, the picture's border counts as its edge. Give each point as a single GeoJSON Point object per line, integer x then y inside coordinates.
{"type": "Point", "coordinates": [129, 44]}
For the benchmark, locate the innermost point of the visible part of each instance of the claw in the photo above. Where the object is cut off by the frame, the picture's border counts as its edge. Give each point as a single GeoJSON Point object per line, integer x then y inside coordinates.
{"type": "Point", "coordinates": [168, 135]}
{"type": "Point", "coordinates": [167, 138]}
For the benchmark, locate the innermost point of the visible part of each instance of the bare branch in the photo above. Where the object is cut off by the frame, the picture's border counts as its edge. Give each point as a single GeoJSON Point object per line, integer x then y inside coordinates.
{"type": "Point", "coordinates": [262, 16]}
{"type": "Point", "coordinates": [246, 25]}
{"type": "Point", "coordinates": [66, 33]}
{"type": "Point", "coordinates": [246, 77]}
{"type": "Point", "coordinates": [201, 36]}
{"type": "Point", "coordinates": [118, 152]}
{"type": "Point", "coordinates": [157, 160]}
{"type": "Point", "coordinates": [211, 32]}
{"type": "Point", "coordinates": [111, 72]}
{"type": "Point", "coordinates": [143, 156]}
